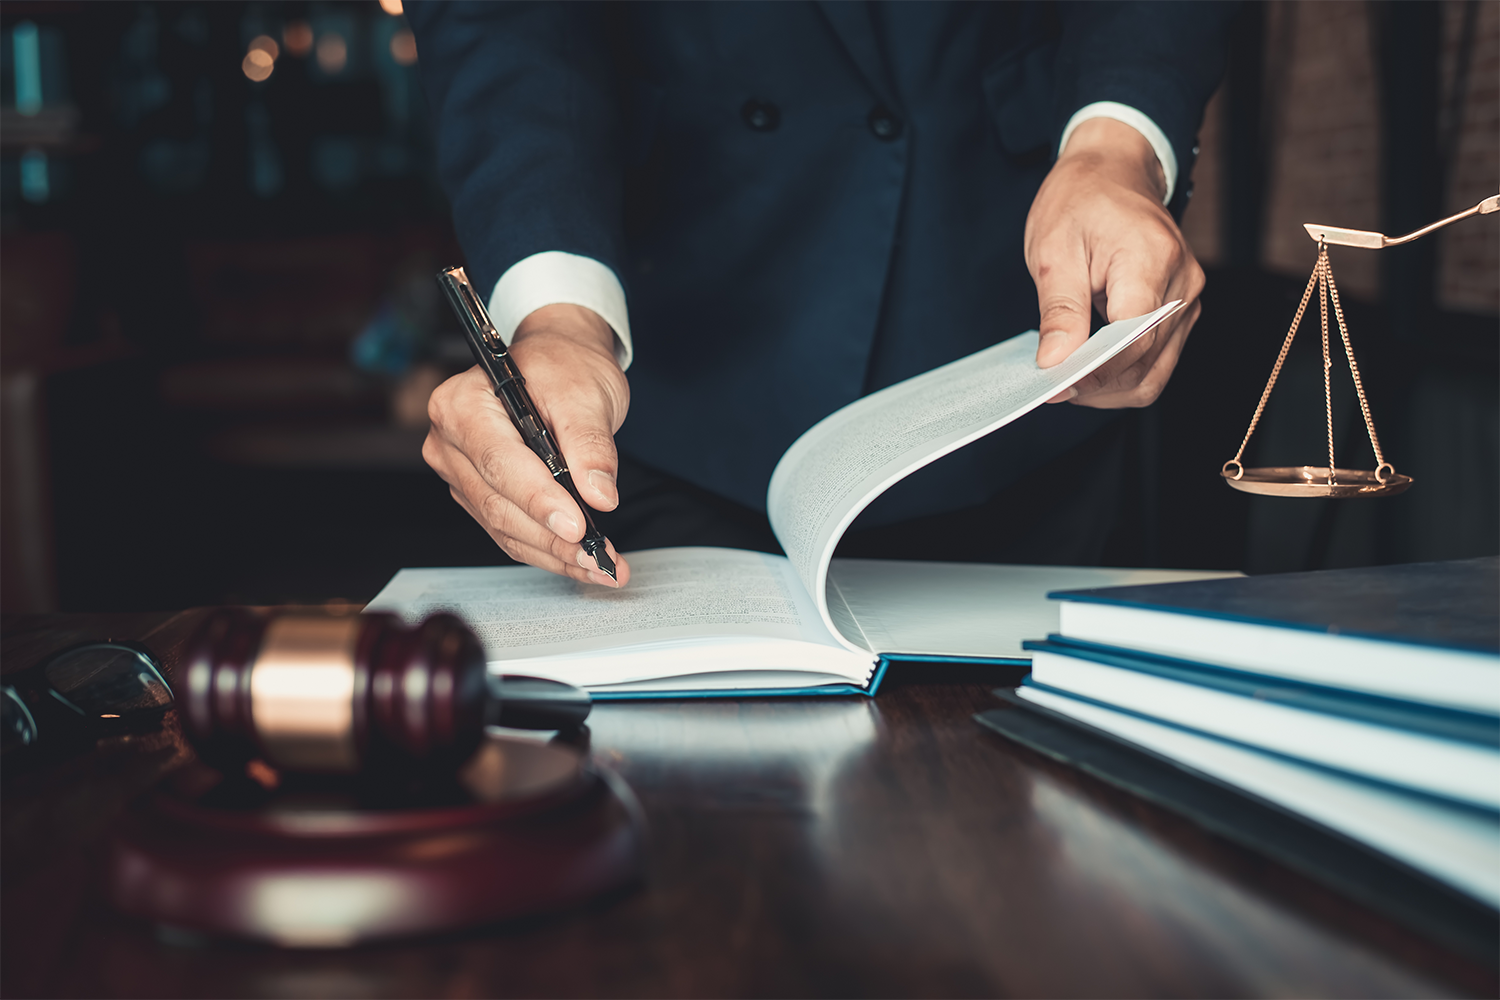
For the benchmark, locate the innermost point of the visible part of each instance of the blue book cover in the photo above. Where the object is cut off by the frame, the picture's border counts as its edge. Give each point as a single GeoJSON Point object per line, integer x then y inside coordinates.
{"type": "Point", "coordinates": [1449, 605]}
{"type": "Point", "coordinates": [1432, 720]}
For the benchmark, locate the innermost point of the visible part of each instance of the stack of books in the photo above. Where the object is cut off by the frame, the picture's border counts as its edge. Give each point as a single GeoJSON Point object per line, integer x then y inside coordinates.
{"type": "Point", "coordinates": [1366, 700]}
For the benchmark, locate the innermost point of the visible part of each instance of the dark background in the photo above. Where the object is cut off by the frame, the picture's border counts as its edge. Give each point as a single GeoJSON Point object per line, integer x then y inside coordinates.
{"type": "Point", "coordinates": [219, 325]}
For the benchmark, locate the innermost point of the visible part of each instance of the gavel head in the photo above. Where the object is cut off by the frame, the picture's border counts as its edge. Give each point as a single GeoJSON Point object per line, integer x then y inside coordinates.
{"type": "Point", "coordinates": [334, 695]}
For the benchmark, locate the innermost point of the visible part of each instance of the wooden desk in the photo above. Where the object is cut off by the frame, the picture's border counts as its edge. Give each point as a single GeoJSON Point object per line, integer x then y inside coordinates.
{"type": "Point", "coordinates": [798, 847]}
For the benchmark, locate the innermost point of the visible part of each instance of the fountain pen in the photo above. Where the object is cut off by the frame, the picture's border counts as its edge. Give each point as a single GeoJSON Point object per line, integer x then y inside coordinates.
{"type": "Point", "coordinates": [489, 350]}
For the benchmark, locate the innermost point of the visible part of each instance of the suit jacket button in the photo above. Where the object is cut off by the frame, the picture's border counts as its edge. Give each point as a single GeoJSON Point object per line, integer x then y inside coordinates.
{"type": "Point", "coordinates": [763, 116]}
{"type": "Point", "coordinates": [886, 126]}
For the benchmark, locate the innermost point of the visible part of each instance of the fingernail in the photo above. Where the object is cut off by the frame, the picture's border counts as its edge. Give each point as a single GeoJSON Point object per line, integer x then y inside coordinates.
{"type": "Point", "coordinates": [597, 577]}
{"type": "Point", "coordinates": [563, 525]}
{"type": "Point", "coordinates": [1069, 393]}
{"type": "Point", "coordinates": [585, 561]}
{"type": "Point", "coordinates": [603, 484]}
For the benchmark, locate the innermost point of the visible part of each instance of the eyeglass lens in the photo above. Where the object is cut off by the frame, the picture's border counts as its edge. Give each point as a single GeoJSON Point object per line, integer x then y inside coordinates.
{"type": "Point", "coordinates": [17, 727]}
{"type": "Point", "coordinates": [108, 681]}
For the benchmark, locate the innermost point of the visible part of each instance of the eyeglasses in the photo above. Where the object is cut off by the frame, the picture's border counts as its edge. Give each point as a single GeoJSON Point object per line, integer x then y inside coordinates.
{"type": "Point", "coordinates": [81, 694]}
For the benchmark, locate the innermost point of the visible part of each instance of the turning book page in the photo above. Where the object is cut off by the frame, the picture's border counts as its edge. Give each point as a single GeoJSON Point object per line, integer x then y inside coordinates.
{"type": "Point", "coordinates": [748, 606]}
{"type": "Point", "coordinates": [849, 458]}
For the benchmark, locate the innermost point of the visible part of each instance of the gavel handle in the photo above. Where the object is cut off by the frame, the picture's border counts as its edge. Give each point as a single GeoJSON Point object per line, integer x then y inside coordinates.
{"type": "Point", "coordinates": [536, 703]}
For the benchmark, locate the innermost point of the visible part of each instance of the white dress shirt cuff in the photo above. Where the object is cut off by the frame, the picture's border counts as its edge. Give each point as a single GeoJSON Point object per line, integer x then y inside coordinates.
{"type": "Point", "coordinates": [554, 277]}
{"type": "Point", "coordinates": [1135, 119]}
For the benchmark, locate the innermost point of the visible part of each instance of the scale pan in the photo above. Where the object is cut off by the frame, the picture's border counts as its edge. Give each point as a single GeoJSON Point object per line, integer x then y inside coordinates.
{"type": "Point", "coordinates": [1312, 481]}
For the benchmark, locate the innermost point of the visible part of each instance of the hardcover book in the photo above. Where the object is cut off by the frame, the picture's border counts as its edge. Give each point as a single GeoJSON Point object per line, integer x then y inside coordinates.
{"type": "Point", "coordinates": [1447, 752]}
{"type": "Point", "coordinates": [1421, 632]}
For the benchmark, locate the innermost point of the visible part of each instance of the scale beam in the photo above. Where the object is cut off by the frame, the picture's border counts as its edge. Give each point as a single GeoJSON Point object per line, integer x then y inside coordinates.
{"type": "Point", "coordinates": [1337, 236]}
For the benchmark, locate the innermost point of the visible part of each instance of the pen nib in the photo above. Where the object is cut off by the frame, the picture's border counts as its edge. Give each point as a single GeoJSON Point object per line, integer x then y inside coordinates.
{"type": "Point", "coordinates": [606, 564]}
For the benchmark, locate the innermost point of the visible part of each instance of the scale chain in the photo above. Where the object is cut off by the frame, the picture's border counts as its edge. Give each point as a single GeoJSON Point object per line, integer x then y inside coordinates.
{"type": "Point", "coordinates": [1322, 268]}
{"type": "Point", "coordinates": [1322, 279]}
{"type": "Point", "coordinates": [1359, 388]}
{"type": "Point", "coordinates": [1286, 345]}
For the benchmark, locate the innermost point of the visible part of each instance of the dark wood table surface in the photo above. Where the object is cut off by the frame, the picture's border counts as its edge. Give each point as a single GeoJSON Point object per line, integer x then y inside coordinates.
{"type": "Point", "coordinates": [798, 847]}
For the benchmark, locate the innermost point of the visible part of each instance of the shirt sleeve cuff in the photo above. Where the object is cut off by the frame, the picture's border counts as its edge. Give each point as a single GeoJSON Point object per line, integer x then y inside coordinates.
{"type": "Point", "coordinates": [554, 277]}
{"type": "Point", "coordinates": [1135, 119]}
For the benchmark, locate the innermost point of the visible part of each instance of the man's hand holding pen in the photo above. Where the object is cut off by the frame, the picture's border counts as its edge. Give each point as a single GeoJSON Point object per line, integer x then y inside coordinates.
{"type": "Point", "coordinates": [567, 355]}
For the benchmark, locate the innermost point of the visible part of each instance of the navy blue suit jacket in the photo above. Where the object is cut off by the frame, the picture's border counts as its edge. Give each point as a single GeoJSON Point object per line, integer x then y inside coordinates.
{"type": "Point", "coordinates": [774, 274]}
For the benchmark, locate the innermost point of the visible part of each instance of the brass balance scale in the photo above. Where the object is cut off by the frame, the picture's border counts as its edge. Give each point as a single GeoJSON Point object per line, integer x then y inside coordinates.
{"type": "Point", "coordinates": [1329, 480]}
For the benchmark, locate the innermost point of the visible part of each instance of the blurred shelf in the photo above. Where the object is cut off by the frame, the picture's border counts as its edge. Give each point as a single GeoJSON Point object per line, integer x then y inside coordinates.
{"type": "Point", "coordinates": [275, 384]}
{"type": "Point", "coordinates": [43, 8]}
{"type": "Point", "coordinates": [343, 447]}
{"type": "Point", "coordinates": [52, 129]}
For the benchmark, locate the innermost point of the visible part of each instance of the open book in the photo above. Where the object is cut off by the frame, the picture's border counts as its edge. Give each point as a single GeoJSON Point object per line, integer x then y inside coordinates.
{"type": "Point", "coordinates": [726, 621]}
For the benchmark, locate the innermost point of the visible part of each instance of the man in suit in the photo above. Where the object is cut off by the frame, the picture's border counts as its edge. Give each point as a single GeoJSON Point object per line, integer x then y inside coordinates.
{"type": "Point", "coordinates": [767, 210]}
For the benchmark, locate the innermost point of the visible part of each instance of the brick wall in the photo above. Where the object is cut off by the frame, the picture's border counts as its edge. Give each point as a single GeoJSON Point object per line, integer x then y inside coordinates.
{"type": "Point", "coordinates": [1203, 222]}
{"type": "Point", "coordinates": [1323, 123]}
{"type": "Point", "coordinates": [1469, 251]}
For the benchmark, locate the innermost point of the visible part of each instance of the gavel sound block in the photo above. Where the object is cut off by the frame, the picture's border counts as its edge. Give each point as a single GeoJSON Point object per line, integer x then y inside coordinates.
{"type": "Point", "coordinates": [356, 796]}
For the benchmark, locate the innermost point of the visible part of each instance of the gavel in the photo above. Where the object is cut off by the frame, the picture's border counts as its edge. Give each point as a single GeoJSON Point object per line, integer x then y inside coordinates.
{"type": "Point", "coordinates": [352, 695]}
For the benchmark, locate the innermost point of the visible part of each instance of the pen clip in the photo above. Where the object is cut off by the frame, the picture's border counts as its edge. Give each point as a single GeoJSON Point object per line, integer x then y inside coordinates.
{"type": "Point", "coordinates": [470, 309]}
